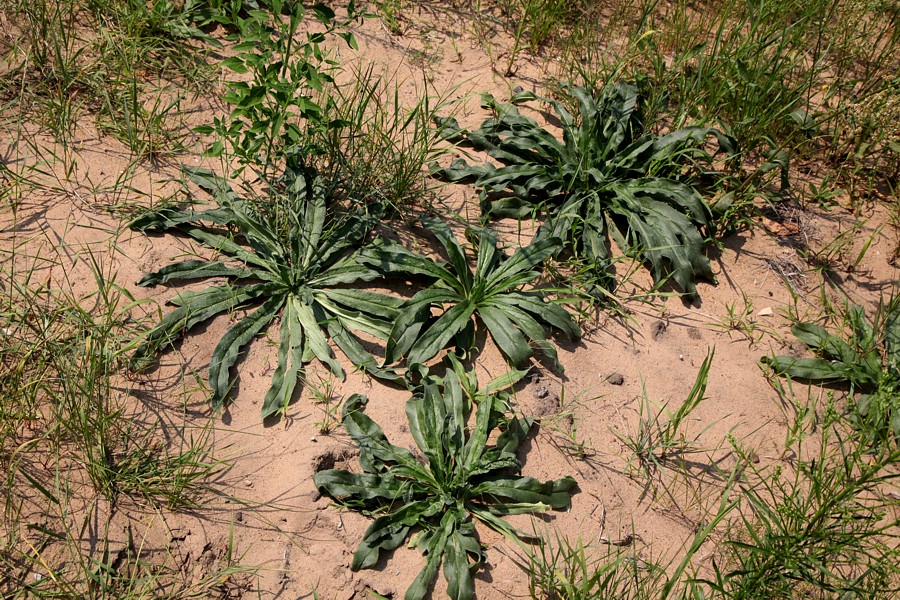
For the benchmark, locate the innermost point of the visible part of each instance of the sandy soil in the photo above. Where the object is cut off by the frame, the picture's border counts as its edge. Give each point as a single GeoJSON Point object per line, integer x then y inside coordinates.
{"type": "Point", "coordinates": [265, 506]}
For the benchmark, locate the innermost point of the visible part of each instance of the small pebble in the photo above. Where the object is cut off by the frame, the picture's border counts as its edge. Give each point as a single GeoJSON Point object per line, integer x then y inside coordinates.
{"type": "Point", "coordinates": [766, 312]}
{"type": "Point", "coordinates": [616, 379]}
{"type": "Point", "coordinates": [248, 483]}
{"type": "Point", "coordinates": [314, 439]}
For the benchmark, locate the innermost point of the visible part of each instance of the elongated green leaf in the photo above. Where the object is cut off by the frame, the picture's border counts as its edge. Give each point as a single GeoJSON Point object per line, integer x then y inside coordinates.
{"type": "Point", "coordinates": [166, 218]}
{"type": "Point", "coordinates": [502, 455]}
{"type": "Point", "coordinates": [522, 180]}
{"type": "Point", "coordinates": [553, 314]}
{"type": "Point", "coordinates": [315, 339]}
{"type": "Point", "coordinates": [311, 226]}
{"type": "Point", "coordinates": [457, 256]}
{"type": "Point", "coordinates": [511, 207]}
{"type": "Point", "coordinates": [371, 303]}
{"type": "Point", "coordinates": [265, 242]}
{"type": "Point", "coordinates": [359, 487]}
{"type": "Point", "coordinates": [449, 128]}
{"type": "Point", "coordinates": [892, 341]}
{"type": "Point", "coordinates": [389, 531]}
{"type": "Point", "coordinates": [487, 253]}
{"type": "Point", "coordinates": [865, 338]}
{"type": "Point", "coordinates": [427, 417]}
{"type": "Point", "coordinates": [534, 331]}
{"type": "Point", "coordinates": [811, 369]}
{"type": "Point", "coordinates": [507, 336]}
{"type": "Point", "coordinates": [393, 258]}
{"type": "Point", "coordinates": [351, 233]}
{"type": "Point", "coordinates": [290, 364]}
{"type": "Point", "coordinates": [434, 552]}
{"type": "Point", "coordinates": [819, 339]}
{"type": "Point", "coordinates": [214, 185]}
{"type": "Point", "coordinates": [438, 335]}
{"type": "Point", "coordinates": [195, 308]}
{"type": "Point", "coordinates": [477, 441]}
{"type": "Point", "coordinates": [460, 544]}
{"type": "Point", "coordinates": [358, 355]}
{"type": "Point", "coordinates": [351, 319]}
{"type": "Point", "coordinates": [669, 146]}
{"type": "Point", "coordinates": [812, 335]}
{"type": "Point", "coordinates": [459, 171]}
{"type": "Point", "coordinates": [499, 525]}
{"type": "Point", "coordinates": [193, 269]}
{"type": "Point", "coordinates": [406, 331]}
{"type": "Point", "coordinates": [346, 270]}
{"type": "Point", "coordinates": [226, 351]}
{"type": "Point", "coordinates": [376, 453]}
{"type": "Point", "coordinates": [456, 416]}
{"type": "Point", "coordinates": [678, 195]}
{"type": "Point", "coordinates": [507, 380]}
{"type": "Point", "coordinates": [523, 260]}
{"type": "Point", "coordinates": [220, 243]}
{"type": "Point", "coordinates": [527, 489]}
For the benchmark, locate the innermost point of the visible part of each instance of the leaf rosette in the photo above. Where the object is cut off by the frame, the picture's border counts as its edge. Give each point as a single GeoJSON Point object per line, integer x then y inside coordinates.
{"type": "Point", "coordinates": [458, 478]}
{"type": "Point", "coordinates": [606, 178]}
{"type": "Point", "coordinates": [293, 257]}
{"type": "Point", "coordinates": [492, 293]}
{"type": "Point", "coordinates": [858, 362]}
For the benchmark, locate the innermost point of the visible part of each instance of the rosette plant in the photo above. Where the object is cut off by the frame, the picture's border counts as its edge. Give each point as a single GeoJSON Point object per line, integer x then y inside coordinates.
{"type": "Point", "coordinates": [869, 361]}
{"type": "Point", "coordinates": [608, 176]}
{"type": "Point", "coordinates": [459, 478]}
{"type": "Point", "coordinates": [293, 256]}
{"type": "Point", "coordinates": [491, 294]}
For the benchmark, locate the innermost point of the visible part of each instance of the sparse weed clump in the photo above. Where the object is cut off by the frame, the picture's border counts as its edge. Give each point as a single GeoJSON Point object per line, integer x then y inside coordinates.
{"type": "Point", "coordinates": [75, 451]}
{"type": "Point", "coordinates": [659, 438]}
{"type": "Point", "coordinates": [868, 361]}
{"type": "Point", "coordinates": [826, 524]}
{"type": "Point", "coordinates": [823, 524]}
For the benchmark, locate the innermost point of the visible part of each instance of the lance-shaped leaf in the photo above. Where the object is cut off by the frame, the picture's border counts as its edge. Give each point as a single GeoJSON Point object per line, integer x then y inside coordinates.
{"type": "Point", "coordinates": [463, 477]}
